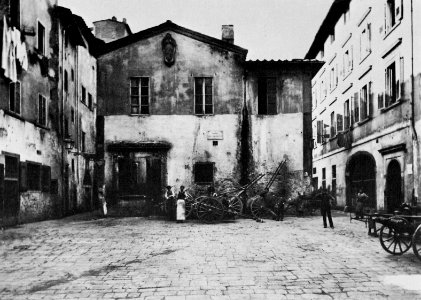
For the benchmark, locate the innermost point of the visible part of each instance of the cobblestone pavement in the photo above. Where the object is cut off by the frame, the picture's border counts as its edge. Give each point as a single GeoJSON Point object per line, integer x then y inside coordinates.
{"type": "Point", "coordinates": [81, 257]}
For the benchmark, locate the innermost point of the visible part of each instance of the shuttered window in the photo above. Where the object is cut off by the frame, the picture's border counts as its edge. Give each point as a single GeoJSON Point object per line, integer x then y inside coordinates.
{"type": "Point", "coordinates": [267, 104]}
{"type": "Point", "coordinates": [203, 96]}
{"type": "Point", "coordinates": [139, 95]}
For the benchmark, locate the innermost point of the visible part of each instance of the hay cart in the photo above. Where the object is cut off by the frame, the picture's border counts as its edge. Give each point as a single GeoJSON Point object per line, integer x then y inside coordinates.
{"type": "Point", "coordinates": [398, 233]}
{"type": "Point", "coordinates": [216, 207]}
{"type": "Point", "coordinates": [259, 205]}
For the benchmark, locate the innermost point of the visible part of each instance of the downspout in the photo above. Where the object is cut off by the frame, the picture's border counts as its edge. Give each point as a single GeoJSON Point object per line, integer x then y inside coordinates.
{"type": "Point", "coordinates": [414, 131]}
{"type": "Point", "coordinates": [63, 148]}
{"type": "Point", "coordinates": [77, 135]}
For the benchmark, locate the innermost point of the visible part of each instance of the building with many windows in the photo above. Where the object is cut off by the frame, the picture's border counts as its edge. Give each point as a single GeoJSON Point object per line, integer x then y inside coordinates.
{"type": "Point", "coordinates": [366, 101]}
{"type": "Point", "coordinates": [183, 108]}
{"type": "Point", "coordinates": [48, 96]}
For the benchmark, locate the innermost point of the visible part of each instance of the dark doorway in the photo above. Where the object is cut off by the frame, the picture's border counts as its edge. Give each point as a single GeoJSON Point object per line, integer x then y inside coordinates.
{"type": "Point", "coordinates": [140, 175]}
{"type": "Point", "coordinates": [11, 199]}
{"type": "Point", "coordinates": [361, 175]}
{"type": "Point", "coordinates": [393, 186]}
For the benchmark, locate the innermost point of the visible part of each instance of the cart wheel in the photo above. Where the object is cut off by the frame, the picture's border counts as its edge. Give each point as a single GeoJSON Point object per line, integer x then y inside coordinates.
{"type": "Point", "coordinates": [234, 206]}
{"type": "Point", "coordinates": [416, 242]}
{"type": "Point", "coordinates": [396, 242]}
{"type": "Point", "coordinates": [258, 208]}
{"type": "Point", "coordinates": [190, 205]}
{"type": "Point", "coordinates": [210, 210]}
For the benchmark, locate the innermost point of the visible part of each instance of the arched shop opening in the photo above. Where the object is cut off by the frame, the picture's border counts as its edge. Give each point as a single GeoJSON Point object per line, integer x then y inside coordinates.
{"type": "Point", "coordinates": [361, 175]}
{"type": "Point", "coordinates": [394, 195]}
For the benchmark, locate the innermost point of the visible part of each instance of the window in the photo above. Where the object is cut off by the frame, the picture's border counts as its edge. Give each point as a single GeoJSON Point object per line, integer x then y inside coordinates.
{"type": "Point", "coordinates": [73, 75]}
{"type": "Point", "coordinates": [393, 14]}
{"type": "Point", "coordinates": [347, 120]}
{"type": "Point", "coordinates": [332, 125]}
{"type": "Point", "coordinates": [319, 132]}
{"type": "Point", "coordinates": [15, 13]}
{"type": "Point", "coordinates": [334, 180]}
{"type": "Point", "coordinates": [33, 176]}
{"type": "Point", "coordinates": [203, 96]}
{"type": "Point", "coordinates": [42, 110]}
{"type": "Point", "coordinates": [139, 95]}
{"type": "Point", "coordinates": [366, 101]}
{"type": "Point", "coordinates": [267, 96]}
{"type": "Point", "coordinates": [14, 97]}
{"type": "Point", "coordinates": [365, 42]}
{"type": "Point", "coordinates": [203, 172]}
{"type": "Point", "coordinates": [356, 108]}
{"type": "Point", "coordinates": [83, 141]}
{"type": "Point", "coordinates": [324, 178]}
{"type": "Point", "coordinates": [45, 178]}
{"type": "Point", "coordinates": [66, 81]}
{"type": "Point", "coordinates": [314, 171]}
{"type": "Point", "coordinates": [73, 116]}
{"type": "Point", "coordinates": [83, 95]}
{"type": "Point", "coordinates": [346, 15]}
{"type": "Point", "coordinates": [391, 86]}
{"type": "Point", "coordinates": [339, 123]}
{"type": "Point", "coordinates": [90, 102]}
{"type": "Point", "coordinates": [333, 78]}
{"type": "Point", "coordinates": [347, 62]}
{"type": "Point", "coordinates": [10, 185]}
{"type": "Point", "coordinates": [332, 36]}
{"type": "Point", "coordinates": [41, 39]}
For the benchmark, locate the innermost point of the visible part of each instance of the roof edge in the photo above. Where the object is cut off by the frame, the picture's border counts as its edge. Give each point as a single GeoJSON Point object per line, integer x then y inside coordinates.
{"type": "Point", "coordinates": [168, 25]}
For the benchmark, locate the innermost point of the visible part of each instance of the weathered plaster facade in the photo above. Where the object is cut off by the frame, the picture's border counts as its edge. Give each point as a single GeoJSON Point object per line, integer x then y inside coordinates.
{"type": "Point", "coordinates": [232, 137]}
{"type": "Point", "coordinates": [32, 154]}
{"type": "Point", "coordinates": [363, 102]}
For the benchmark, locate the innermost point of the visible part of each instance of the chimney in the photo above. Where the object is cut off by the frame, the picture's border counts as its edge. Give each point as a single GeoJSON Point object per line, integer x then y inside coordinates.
{"type": "Point", "coordinates": [124, 20]}
{"type": "Point", "coordinates": [228, 33]}
{"type": "Point", "coordinates": [114, 18]}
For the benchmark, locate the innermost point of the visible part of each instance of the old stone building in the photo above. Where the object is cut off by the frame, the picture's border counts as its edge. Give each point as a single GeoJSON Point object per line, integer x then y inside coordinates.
{"type": "Point", "coordinates": [34, 107]}
{"type": "Point", "coordinates": [183, 108]}
{"type": "Point", "coordinates": [366, 101]}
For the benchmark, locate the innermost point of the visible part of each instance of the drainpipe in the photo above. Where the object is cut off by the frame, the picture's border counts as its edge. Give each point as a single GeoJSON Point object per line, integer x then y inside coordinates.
{"type": "Point", "coordinates": [414, 131]}
{"type": "Point", "coordinates": [63, 148]}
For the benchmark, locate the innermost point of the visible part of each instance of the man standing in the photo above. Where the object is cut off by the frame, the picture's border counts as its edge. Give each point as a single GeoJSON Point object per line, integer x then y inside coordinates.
{"type": "Point", "coordinates": [325, 205]}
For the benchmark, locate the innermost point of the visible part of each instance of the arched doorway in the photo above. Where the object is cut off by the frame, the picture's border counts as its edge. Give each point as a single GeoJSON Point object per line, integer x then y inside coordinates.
{"type": "Point", "coordinates": [361, 175]}
{"type": "Point", "coordinates": [393, 186]}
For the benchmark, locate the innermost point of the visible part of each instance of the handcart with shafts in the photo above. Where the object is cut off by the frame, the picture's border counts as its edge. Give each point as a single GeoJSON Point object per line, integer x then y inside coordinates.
{"type": "Point", "coordinates": [259, 205]}
{"type": "Point", "coordinates": [399, 233]}
{"type": "Point", "coordinates": [215, 207]}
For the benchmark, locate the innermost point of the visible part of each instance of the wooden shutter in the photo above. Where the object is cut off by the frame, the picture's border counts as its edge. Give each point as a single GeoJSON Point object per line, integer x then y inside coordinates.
{"type": "Point", "coordinates": [319, 131]}
{"type": "Point", "coordinates": [370, 99]}
{"type": "Point", "coordinates": [23, 185]}
{"type": "Point", "coordinates": [401, 86]}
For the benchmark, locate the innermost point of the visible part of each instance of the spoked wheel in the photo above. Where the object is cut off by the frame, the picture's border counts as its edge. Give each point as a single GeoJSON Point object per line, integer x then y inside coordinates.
{"type": "Point", "coordinates": [190, 205]}
{"type": "Point", "coordinates": [395, 241]}
{"type": "Point", "coordinates": [416, 242]}
{"type": "Point", "coordinates": [259, 209]}
{"type": "Point", "coordinates": [234, 206]}
{"type": "Point", "coordinates": [210, 210]}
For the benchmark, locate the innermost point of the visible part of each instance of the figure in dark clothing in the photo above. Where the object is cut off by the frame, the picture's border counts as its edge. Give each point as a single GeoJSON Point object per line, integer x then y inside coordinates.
{"type": "Point", "coordinates": [325, 206]}
{"type": "Point", "coordinates": [362, 199]}
{"type": "Point", "coordinates": [170, 203]}
{"type": "Point", "coordinates": [279, 209]}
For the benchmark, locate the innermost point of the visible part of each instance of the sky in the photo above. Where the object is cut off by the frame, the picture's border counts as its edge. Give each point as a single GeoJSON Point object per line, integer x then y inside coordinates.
{"type": "Point", "coordinates": [269, 29]}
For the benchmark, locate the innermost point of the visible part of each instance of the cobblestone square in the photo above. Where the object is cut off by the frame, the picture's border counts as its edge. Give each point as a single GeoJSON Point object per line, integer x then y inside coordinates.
{"type": "Point", "coordinates": [136, 258]}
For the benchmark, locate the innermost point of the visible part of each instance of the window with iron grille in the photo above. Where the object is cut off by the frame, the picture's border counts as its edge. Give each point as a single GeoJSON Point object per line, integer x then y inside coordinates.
{"type": "Point", "coordinates": [33, 171]}
{"type": "Point", "coordinates": [267, 96]}
{"type": "Point", "coordinates": [203, 96]}
{"type": "Point", "coordinates": [203, 172]}
{"type": "Point", "coordinates": [42, 110]}
{"type": "Point", "coordinates": [139, 95]}
{"type": "Point", "coordinates": [14, 97]}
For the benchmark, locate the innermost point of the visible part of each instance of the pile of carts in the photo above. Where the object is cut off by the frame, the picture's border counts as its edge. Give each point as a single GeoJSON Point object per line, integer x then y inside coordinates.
{"type": "Point", "coordinates": [229, 204]}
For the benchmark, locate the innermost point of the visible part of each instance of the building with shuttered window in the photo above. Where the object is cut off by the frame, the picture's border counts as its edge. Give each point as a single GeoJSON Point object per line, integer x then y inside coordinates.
{"type": "Point", "coordinates": [366, 101]}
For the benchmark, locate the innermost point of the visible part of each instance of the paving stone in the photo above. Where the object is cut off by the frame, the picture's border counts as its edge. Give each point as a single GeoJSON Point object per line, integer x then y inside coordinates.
{"type": "Point", "coordinates": [135, 258]}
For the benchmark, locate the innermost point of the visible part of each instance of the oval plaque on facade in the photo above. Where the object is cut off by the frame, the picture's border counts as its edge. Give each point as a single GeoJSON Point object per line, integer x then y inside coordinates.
{"type": "Point", "coordinates": [169, 47]}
